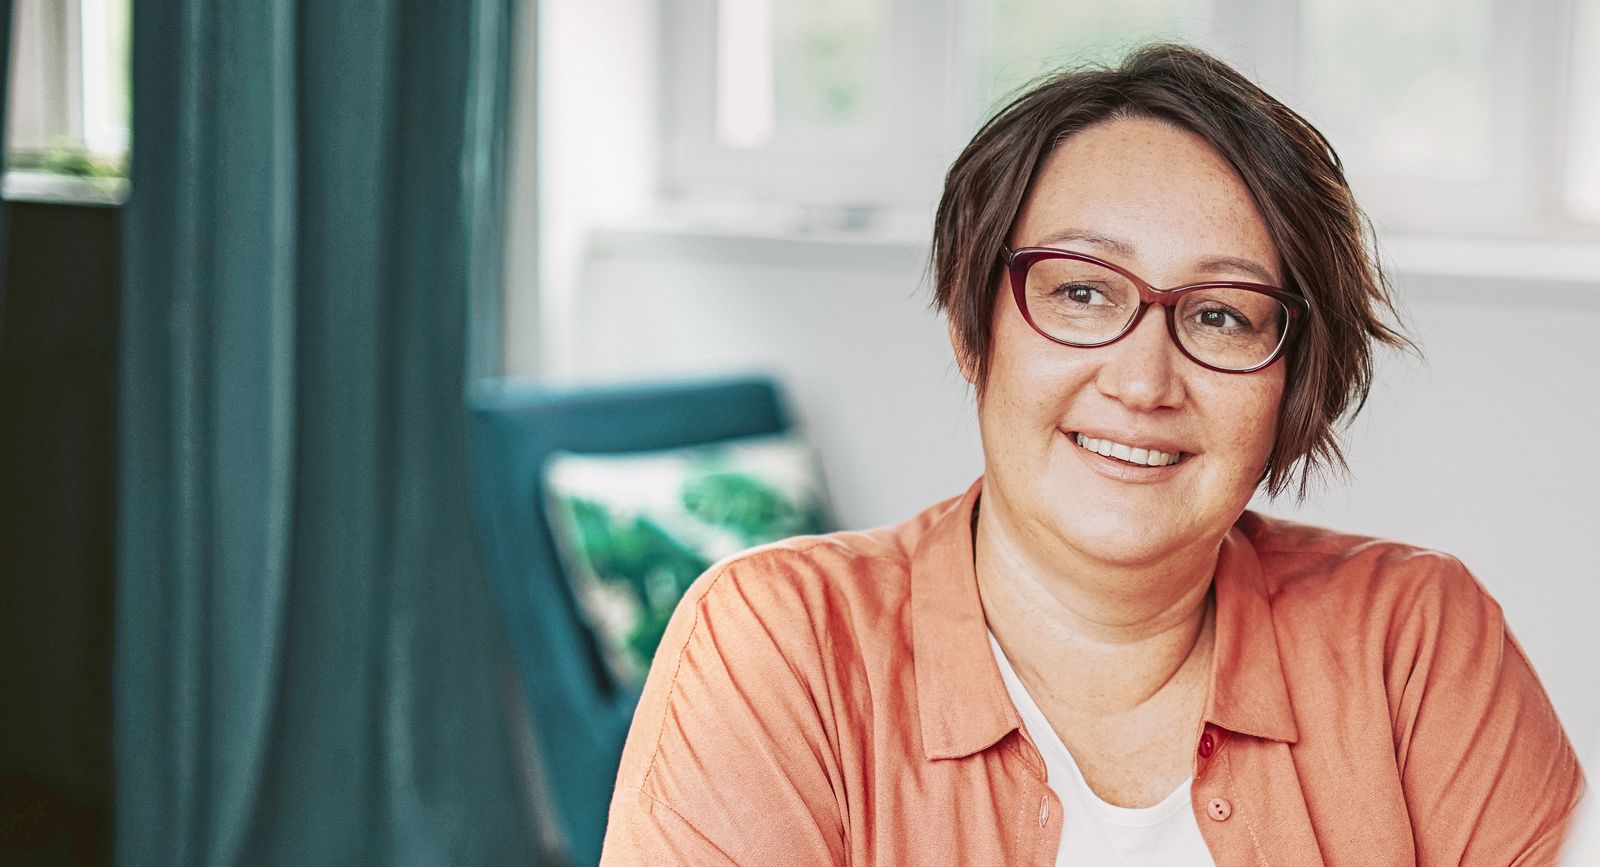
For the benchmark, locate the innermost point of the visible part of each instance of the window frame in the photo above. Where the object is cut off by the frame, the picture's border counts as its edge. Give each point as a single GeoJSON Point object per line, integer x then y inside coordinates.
{"type": "Point", "coordinates": [1521, 197]}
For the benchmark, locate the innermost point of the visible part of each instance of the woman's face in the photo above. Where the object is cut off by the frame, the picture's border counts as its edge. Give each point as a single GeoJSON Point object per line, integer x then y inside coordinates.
{"type": "Point", "coordinates": [1163, 204]}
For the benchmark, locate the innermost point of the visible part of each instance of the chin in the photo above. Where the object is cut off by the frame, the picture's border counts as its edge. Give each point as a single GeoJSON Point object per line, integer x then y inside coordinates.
{"type": "Point", "coordinates": [1123, 546]}
{"type": "Point", "coordinates": [1124, 536]}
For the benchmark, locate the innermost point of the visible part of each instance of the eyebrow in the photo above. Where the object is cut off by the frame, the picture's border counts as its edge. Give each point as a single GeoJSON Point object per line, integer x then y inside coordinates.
{"type": "Point", "coordinates": [1123, 248]}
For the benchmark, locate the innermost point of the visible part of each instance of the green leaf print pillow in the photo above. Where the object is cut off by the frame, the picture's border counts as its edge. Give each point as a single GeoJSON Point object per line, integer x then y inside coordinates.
{"type": "Point", "coordinates": [634, 530]}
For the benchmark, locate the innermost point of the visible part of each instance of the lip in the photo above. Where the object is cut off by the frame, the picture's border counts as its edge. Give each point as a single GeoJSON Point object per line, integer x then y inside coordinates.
{"type": "Point", "coordinates": [1123, 471]}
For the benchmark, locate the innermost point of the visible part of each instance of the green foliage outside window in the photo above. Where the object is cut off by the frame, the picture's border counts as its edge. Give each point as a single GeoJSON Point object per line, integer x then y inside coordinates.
{"type": "Point", "coordinates": [69, 160]}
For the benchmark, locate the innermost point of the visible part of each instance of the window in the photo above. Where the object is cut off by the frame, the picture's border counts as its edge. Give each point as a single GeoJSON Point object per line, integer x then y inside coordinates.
{"type": "Point", "coordinates": [69, 99]}
{"type": "Point", "coordinates": [1018, 40]}
{"type": "Point", "coordinates": [798, 100]}
{"type": "Point", "coordinates": [1409, 87]}
{"type": "Point", "coordinates": [811, 72]}
{"type": "Point", "coordinates": [1433, 106]}
{"type": "Point", "coordinates": [1467, 116]}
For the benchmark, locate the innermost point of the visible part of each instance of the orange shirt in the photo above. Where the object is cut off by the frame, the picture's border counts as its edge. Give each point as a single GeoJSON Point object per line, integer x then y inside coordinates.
{"type": "Point", "coordinates": [834, 700]}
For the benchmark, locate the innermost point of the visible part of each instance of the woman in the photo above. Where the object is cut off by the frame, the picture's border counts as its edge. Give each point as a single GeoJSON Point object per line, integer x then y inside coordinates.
{"type": "Point", "coordinates": [1158, 284]}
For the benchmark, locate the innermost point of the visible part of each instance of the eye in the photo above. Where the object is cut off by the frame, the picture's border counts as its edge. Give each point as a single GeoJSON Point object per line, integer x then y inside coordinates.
{"type": "Point", "coordinates": [1083, 294]}
{"type": "Point", "coordinates": [1221, 317]}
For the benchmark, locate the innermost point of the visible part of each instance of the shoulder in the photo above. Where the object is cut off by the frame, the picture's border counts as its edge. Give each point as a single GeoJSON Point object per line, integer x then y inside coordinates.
{"type": "Point", "coordinates": [848, 566]}
{"type": "Point", "coordinates": [1399, 662]}
{"type": "Point", "coordinates": [744, 667]}
{"type": "Point", "coordinates": [846, 582]}
{"type": "Point", "coordinates": [1343, 602]}
{"type": "Point", "coordinates": [788, 616]}
{"type": "Point", "coordinates": [768, 655]}
{"type": "Point", "coordinates": [1345, 579]}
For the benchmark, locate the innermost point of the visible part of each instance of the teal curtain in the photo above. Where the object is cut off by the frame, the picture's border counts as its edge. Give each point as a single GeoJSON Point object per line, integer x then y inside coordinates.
{"type": "Point", "coordinates": [307, 663]}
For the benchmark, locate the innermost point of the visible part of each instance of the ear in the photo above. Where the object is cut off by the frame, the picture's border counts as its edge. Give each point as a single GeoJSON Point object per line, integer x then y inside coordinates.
{"type": "Point", "coordinates": [964, 358]}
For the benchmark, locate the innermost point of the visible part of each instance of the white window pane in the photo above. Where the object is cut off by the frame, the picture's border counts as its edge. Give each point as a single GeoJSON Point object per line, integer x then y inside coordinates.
{"type": "Point", "coordinates": [1583, 148]}
{"type": "Point", "coordinates": [832, 66]}
{"type": "Point", "coordinates": [801, 71]}
{"type": "Point", "coordinates": [105, 77]}
{"type": "Point", "coordinates": [1019, 40]}
{"type": "Point", "coordinates": [1402, 89]}
{"type": "Point", "coordinates": [40, 105]}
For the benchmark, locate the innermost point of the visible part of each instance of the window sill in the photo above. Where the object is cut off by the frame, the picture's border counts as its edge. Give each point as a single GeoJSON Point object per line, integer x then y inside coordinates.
{"type": "Point", "coordinates": [1489, 271]}
{"type": "Point", "coordinates": [51, 189]}
{"type": "Point", "coordinates": [1576, 261]}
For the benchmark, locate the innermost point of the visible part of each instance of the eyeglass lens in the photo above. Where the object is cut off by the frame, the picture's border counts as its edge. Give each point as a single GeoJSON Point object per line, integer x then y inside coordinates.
{"type": "Point", "coordinates": [1086, 304]}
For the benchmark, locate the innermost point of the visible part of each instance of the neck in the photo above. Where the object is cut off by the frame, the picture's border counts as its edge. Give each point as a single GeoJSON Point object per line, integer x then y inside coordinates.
{"type": "Point", "coordinates": [1091, 637]}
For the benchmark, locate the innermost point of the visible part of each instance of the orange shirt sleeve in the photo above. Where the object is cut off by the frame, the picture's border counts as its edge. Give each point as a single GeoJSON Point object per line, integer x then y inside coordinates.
{"type": "Point", "coordinates": [1488, 774]}
{"type": "Point", "coordinates": [643, 830]}
{"type": "Point", "coordinates": [728, 760]}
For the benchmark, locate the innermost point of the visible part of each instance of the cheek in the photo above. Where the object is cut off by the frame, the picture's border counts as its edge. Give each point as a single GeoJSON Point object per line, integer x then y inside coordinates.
{"type": "Point", "coordinates": [1031, 380]}
{"type": "Point", "coordinates": [1251, 416]}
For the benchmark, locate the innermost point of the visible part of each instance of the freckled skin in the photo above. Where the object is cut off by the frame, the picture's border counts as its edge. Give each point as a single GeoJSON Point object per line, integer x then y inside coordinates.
{"type": "Point", "coordinates": [1096, 587]}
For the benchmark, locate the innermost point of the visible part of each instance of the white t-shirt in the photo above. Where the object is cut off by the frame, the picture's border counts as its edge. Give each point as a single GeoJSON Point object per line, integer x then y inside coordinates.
{"type": "Point", "coordinates": [1093, 831]}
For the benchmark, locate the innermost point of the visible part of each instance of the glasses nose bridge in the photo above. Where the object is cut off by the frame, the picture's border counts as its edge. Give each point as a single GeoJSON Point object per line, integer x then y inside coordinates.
{"type": "Point", "coordinates": [1153, 295]}
{"type": "Point", "coordinates": [1149, 297]}
{"type": "Point", "coordinates": [1145, 370]}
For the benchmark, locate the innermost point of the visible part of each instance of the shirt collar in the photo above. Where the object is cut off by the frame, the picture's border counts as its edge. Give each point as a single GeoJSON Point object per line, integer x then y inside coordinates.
{"type": "Point", "coordinates": [1248, 693]}
{"type": "Point", "coordinates": [962, 701]}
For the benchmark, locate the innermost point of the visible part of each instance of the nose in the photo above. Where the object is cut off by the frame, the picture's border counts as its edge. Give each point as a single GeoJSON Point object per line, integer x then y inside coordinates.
{"type": "Point", "coordinates": [1142, 370]}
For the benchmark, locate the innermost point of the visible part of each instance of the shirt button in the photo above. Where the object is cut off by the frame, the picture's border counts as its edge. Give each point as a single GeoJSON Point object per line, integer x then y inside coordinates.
{"type": "Point", "coordinates": [1044, 811]}
{"type": "Point", "coordinates": [1208, 745]}
{"type": "Point", "coordinates": [1219, 809]}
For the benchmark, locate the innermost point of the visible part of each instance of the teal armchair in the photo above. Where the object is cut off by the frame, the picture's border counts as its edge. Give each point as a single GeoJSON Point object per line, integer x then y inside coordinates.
{"type": "Point", "coordinates": [580, 716]}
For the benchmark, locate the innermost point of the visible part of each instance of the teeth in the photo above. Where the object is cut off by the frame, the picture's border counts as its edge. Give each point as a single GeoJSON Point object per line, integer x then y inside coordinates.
{"type": "Point", "coordinates": [1122, 452]}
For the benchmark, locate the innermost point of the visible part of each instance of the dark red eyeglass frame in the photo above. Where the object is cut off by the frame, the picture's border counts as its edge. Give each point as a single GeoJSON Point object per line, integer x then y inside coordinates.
{"type": "Point", "coordinates": [1019, 261]}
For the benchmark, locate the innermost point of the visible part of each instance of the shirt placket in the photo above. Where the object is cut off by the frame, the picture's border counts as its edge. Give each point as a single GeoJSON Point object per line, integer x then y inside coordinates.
{"type": "Point", "coordinates": [1211, 800]}
{"type": "Point", "coordinates": [1045, 826]}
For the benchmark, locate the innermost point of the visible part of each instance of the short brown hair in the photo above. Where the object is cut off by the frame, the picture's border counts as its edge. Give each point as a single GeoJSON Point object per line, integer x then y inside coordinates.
{"type": "Point", "coordinates": [1296, 179]}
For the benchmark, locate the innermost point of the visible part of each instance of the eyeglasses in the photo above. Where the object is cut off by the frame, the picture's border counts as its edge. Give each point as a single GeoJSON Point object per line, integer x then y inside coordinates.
{"type": "Point", "coordinates": [1078, 300]}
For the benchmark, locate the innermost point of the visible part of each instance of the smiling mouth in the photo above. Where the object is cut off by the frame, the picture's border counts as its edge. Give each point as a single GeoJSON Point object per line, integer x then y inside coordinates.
{"type": "Point", "coordinates": [1129, 454]}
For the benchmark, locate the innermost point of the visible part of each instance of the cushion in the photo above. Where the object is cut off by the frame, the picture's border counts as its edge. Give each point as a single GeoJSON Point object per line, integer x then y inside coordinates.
{"type": "Point", "coordinates": [635, 530]}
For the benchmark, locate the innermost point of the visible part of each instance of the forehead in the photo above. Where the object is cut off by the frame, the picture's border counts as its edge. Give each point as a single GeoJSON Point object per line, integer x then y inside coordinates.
{"type": "Point", "coordinates": [1165, 193]}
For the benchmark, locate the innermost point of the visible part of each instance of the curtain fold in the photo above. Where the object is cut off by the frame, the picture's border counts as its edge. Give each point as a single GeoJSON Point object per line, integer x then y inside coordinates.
{"type": "Point", "coordinates": [305, 665]}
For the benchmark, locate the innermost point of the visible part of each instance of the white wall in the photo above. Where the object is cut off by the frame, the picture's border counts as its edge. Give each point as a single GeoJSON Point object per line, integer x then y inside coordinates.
{"type": "Point", "coordinates": [593, 150]}
{"type": "Point", "coordinates": [1482, 451]}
